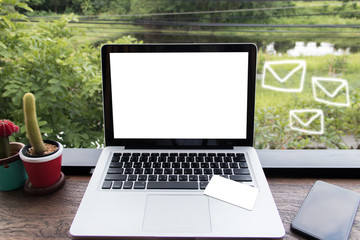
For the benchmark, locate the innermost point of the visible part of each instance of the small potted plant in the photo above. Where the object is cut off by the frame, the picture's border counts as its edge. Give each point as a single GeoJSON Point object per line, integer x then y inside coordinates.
{"type": "Point", "coordinates": [42, 159]}
{"type": "Point", "coordinates": [12, 172]}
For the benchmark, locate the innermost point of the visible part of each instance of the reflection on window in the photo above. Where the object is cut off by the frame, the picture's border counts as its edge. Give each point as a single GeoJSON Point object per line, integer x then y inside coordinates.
{"type": "Point", "coordinates": [308, 88]}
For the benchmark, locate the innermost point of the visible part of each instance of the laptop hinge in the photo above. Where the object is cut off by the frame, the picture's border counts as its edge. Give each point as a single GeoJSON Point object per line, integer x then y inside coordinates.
{"type": "Point", "coordinates": [240, 147]}
{"type": "Point", "coordinates": [177, 148]}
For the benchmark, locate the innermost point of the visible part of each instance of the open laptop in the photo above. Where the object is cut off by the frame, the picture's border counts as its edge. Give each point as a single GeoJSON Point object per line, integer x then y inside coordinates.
{"type": "Point", "coordinates": [175, 115]}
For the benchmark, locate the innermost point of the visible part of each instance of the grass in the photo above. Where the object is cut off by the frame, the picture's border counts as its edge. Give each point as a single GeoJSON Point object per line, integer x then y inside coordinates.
{"type": "Point", "coordinates": [316, 66]}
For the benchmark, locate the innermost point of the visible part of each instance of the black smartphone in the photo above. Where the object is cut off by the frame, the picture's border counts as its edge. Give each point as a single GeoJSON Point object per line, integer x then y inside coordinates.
{"type": "Point", "coordinates": [328, 212]}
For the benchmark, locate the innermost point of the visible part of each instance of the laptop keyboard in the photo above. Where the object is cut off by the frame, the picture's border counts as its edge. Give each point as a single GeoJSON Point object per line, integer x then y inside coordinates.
{"type": "Point", "coordinates": [173, 170]}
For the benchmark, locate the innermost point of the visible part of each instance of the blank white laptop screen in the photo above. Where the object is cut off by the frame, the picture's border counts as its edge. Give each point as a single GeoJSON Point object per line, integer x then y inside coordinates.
{"type": "Point", "coordinates": [200, 95]}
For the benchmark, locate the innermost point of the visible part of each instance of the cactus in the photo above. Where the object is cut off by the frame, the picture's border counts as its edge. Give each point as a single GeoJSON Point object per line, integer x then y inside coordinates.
{"type": "Point", "coordinates": [31, 124]}
{"type": "Point", "coordinates": [6, 129]}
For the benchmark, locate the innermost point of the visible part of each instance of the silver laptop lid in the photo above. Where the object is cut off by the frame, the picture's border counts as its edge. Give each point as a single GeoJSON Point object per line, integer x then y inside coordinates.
{"type": "Point", "coordinates": [194, 96]}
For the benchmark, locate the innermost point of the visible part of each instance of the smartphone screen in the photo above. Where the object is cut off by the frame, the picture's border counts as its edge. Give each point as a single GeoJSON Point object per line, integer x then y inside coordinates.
{"type": "Point", "coordinates": [328, 212]}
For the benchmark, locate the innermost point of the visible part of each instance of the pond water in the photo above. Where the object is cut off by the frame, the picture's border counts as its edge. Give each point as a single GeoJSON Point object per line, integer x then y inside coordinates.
{"type": "Point", "coordinates": [309, 49]}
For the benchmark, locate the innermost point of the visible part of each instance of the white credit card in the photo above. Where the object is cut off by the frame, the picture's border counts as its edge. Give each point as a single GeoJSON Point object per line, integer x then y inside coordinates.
{"type": "Point", "coordinates": [236, 193]}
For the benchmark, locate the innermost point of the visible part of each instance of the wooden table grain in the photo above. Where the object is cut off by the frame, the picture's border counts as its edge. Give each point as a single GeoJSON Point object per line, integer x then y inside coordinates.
{"type": "Point", "coordinates": [49, 217]}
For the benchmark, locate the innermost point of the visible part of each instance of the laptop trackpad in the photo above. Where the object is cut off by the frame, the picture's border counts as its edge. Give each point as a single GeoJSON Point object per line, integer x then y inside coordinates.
{"type": "Point", "coordinates": [177, 213]}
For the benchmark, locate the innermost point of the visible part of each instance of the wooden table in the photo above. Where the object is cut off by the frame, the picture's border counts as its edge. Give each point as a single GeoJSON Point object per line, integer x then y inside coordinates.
{"type": "Point", "coordinates": [31, 217]}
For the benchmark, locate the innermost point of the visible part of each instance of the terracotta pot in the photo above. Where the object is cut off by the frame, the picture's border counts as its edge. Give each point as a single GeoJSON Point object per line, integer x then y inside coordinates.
{"type": "Point", "coordinates": [12, 172]}
{"type": "Point", "coordinates": [45, 170]}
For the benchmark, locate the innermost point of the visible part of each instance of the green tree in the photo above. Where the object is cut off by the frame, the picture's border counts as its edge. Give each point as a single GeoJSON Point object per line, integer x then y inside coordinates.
{"type": "Point", "coordinates": [65, 80]}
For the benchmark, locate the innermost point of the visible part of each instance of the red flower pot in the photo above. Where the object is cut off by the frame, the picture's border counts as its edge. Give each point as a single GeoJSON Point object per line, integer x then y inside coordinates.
{"type": "Point", "coordinates": [45, 170]}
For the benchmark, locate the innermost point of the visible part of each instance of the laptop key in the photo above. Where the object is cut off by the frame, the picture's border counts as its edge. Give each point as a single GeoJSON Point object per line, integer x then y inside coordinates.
{"type": "Point", "coordinates": [142, 177]}
{"type": "Point", "coordinates": [175, 165]}
{"type": "Point", "coordinates": [203, 185]}
{"type": "Point", "coordinates": [115, 177]}
{"type": "Point", "coordinates": [166, 165]}
{"type": "Point", "coordinates": [115, 170]}
{"type": "Point", "coordinates": [132, 177]}
{"type": "Point", "coordinates": [183, 178]}
{"type": "Point", "coordinates": [128, 165]}
{"type": "Point", "coordinates": [106, 185]}
{"type": "Point", "coordinates": [129, 171]}
{"type": "Point", "coordinates": [243, 165]}
{"type": "Point", "coordinates": [214, 165]}
{"type": "Point", "coordinates": [188, 171]}
{"type": "Point", "coordinates": [195, 165]}
{"type": "Point", "coordinates": [203, 178]}
{"type": "Point", "coordinates": [173, 178]}
{"type": "Point", "coordinates": [241, 155]}
{"type": "Point", "coordinates": [157, 165]}
{"type": "Point", "coordinates": [204, 165]}
{"type": "Point", "coordinates": [128, 185]}
{"type": "Point", "coordinates": [116, 165]}
{"type": "Point", "coordinates": [224, 165]}
{"type": "Point", "coordinates": [152, 177]}
{"type": "Point", "coordinates": [139, 185]}
{"type": "Point", "coordinates": [242, 171]}
{"type": "Point", "coordinates": [234, 165]}
{"type": "Point", "coordinates": [125, 159]}
{"type": "Point", "coordinates": [139, 171]}
{"type": "Point", "coordinates": [115, 158]}
{"type": "Point", "coordinates": [241, 178]}
{"type": "Point", "coordinates": [137, 165]}
{"type": "Point", "coordinates": [193, 178]}
{"type": "Point", "coordinates": [117, 185]}
{"type": "Point", "coordinates": [162, 177]}
{"type": "Point", "coordinates": [172, 185]}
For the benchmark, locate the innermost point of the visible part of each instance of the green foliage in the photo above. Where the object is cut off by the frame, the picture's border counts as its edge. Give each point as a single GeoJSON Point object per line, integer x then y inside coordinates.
{"type": "Point", "coordinates": [66, 81]}
{"type": "Point", "coordinates": [42, 60]}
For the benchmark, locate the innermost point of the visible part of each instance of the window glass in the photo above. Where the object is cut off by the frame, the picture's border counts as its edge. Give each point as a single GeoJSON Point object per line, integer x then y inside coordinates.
{"type": "Point", "coordinates": [308, 86]}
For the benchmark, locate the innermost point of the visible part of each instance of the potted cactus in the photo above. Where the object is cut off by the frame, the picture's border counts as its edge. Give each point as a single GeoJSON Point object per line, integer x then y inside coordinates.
{"type": "Point", "coordinates": [42, 159]}
{"type": "Point", "coordinates": [12, 172]}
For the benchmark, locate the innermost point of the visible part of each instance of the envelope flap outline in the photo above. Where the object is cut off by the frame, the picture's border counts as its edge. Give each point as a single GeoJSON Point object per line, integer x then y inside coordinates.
{"type": "Point", "coordinates": [301, 64]}
{"type": "Point", "coordinates": [343, 84]}
{"type": "Point", "coordinates": [307, 123]}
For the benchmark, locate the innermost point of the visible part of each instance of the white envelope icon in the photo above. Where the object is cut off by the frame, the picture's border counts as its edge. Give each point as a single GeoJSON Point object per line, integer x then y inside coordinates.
{"type": "Point", "coordinates": [308, 125]}
{"type": "Point", "coordinates": [338, 97]}
{"type": "Point", "coordinates": [280, 84]}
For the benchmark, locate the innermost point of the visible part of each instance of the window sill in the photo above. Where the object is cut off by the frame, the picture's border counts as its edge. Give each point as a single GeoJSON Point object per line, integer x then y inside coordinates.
{"type": "Point", "coordinates": [276, 163]}
{"type": "Point", "coordinates": [309, 158]}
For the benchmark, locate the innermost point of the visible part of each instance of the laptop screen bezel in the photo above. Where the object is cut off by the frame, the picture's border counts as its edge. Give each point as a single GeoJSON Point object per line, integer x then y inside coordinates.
{"type": "Point", "coordinates": [106, 49]}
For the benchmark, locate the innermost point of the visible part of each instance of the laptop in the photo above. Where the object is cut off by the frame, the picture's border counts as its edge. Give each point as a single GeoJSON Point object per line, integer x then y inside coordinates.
{"type": "Point", "coordinates": [176, 115]}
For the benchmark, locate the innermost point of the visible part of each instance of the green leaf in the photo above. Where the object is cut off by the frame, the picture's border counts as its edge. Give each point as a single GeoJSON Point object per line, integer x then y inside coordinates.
{"type": "Point", "coordinates": [24, 6]}
{"type": "Point", "coordinates": [53, 81]}
{"type": "Point", "coordinates": [7, 22]}
{"type": "Point", "coordinates": [2, 45]}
